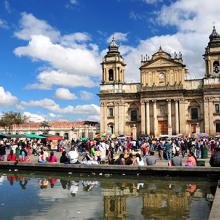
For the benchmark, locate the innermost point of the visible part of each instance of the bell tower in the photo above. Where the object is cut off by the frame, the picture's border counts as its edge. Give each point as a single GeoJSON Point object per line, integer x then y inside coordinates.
{"type": "Point", "coordinates": [113, 66]}
{"type": "Point", "coordinates": [212, 55]}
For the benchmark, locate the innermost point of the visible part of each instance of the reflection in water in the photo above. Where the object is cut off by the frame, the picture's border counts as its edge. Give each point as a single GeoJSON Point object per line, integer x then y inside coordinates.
{"type": "Point", "coordinates": [108, 198]}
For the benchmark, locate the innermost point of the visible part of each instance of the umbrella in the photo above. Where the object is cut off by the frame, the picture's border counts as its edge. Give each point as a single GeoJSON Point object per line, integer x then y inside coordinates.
{"type": "Point", "coordinates": [54, 138]}
{"type": "Point", "coordinates": [34, 136]}
{"type": "Point", "coordinates": [201, 135]}
{"type": "Point", "coordinates": [84, 139]}
{"type": "Point", "coordinates": [13, 136]}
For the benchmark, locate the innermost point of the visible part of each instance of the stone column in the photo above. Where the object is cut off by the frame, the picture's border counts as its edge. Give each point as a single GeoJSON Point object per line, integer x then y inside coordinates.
{"type": "Point", "coordinates": [103, 73]}
{"type": "Point", "coordinates": [148, 117]}
{"type": "Point", "coordinates": [182, 116]}
{"type": "Point", "coordinates": [116, 73]}
{"type": "Point", "coordinates": [105, 117]}
{"type": "Point", "coordinates": [127, 126]}
{"type": "Point", "coordinates": [143, 112]}
{"type": "Point", "coordinates": [116, 118]}
{"type": "Point", "coordinates": [177, 116]}
{"type": "Point", "coordinates": [211, 118]}
{"type": "Point", "coordinates": [169, 118]}
{"type": "Point", "coordinates": [206, 115]}
{"type": "Point", "coordinates": [134, 132]}
{"type": "Point", "coordinates": [155, 117]}
{"type": "Point", "coordinates": [121, 118]}
{"type": "Point", "coordinates": [102, 120]}
{"type": "Point", "coordinates": [86, 132]}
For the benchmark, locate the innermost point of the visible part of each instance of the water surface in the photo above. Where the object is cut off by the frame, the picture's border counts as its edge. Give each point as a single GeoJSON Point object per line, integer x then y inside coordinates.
{"type": "Point", "coordinates": [45, 196]}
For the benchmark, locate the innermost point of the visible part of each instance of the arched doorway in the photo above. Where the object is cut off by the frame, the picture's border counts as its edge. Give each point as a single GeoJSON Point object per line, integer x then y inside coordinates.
{"type": "Point", "coordinates": [111, 128]}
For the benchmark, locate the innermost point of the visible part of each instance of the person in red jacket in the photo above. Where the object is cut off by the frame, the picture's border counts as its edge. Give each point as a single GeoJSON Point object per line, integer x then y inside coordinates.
{"type": "Point", "coordinates": [11, 156]}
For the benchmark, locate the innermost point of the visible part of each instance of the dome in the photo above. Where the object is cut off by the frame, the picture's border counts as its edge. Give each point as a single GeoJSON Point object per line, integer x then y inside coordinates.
{"type": "Point", "coordinates": [161, 53]}
{"type": "Point", "coordinates": [214, 35]}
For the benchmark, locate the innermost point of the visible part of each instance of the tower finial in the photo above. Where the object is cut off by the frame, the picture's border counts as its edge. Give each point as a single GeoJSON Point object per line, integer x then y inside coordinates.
{"type": "Point", "coordinates": [214, 30]}
{"type": "Point", "coordinates": [214, 34]}
{"type": "Point", "coordinates": [113, 43]}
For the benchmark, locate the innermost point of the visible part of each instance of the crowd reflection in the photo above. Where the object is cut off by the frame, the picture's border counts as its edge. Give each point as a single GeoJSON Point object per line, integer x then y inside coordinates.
{"type": "Point", "coordinates": [46, 183]}
{"type": "Point", "coordinates": [158, 199]}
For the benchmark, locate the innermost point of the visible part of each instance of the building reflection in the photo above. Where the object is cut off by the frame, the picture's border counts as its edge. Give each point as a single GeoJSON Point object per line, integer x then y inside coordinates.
{"type": "Point", "coordinates": [158, 201]}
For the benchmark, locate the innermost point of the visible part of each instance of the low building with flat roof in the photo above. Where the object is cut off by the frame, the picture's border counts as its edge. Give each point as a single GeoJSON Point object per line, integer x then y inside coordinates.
{"type": "Point", "coordinates": [68, 129]}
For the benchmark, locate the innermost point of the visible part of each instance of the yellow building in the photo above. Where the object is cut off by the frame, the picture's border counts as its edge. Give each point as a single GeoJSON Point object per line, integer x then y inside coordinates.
{"type": "Point", "coordinates": [164, 101]}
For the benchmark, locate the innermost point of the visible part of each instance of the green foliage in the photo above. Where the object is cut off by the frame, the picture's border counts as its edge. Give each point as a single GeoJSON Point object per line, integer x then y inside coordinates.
{"type": "Point", "coordinates": [8, 119]}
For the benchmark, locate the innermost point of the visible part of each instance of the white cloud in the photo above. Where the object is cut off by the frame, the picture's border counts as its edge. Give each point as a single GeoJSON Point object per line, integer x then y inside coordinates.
{"type": "Point", "coordinates": [7, 99]}
{"type": "Point", "coordinates": [30, 26]}
{"type": "Point", "coordinates": [84, 95]}
{"type": "Point", "coordinates": [191, 16]}
{"type": "Point", "coordinates": [30, 117]}
{"type": "Point", "coordinates": [54, 117]}
{"type": "Point", "coordinates": [49, 78]}
{"type": "Point", "coordinates": [39, 86]}
{"type": "Point", "coordinates": [73, 2]}
{"type": "Point", "coordinates": [3, 24]}
{"type": "Point", "coordinates": [73, 39]}
{"type": "Point", "coordinates": [93, 118]}
{"type": "Point", "coordinates": [52, 106]}
{"type": "Point", "coordinates": [48, 104]}
{"type": "Point", "coordinates": [64, 94]}
{"type": "Point", "coordinates": [7, 6]}
{"type": "Point", "coordinates": [73, 61]}
{"type": "Point", "coordinates": [193, 21]}
{"type": "Point", "coordinates": [152, 1]}
{"type": "Point", "coordinates": [33, 117]}
{"type": "Point", "coordinates": [119, 37]}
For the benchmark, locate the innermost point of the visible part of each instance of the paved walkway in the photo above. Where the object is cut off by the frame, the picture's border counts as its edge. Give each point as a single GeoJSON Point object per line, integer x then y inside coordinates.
{"type": "Point", "coordinates": [215, 211]}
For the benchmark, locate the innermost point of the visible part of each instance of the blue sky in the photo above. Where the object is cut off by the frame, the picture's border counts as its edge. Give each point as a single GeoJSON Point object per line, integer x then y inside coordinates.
{"type": "Point", "coordinates": [50, 51]}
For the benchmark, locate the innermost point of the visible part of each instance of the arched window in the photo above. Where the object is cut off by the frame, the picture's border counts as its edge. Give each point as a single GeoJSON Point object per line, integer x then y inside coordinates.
{"type": "Point", "coordinates": [216, 68]}
{"type": "Point", "coordinates": [110, 112]}
{"type": "Point", "coordinates": [110, 75]}
{"type": "Point", "coordinates": [161, 76]}
{"type": "Point", "coordinates": [133, 115]}
{"type": "Point", "coordinates": [194, 113]}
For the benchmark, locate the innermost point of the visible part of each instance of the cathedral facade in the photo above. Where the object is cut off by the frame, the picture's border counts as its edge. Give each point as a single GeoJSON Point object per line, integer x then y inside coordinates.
{"type": "Point", "coordinates": [164, 102]}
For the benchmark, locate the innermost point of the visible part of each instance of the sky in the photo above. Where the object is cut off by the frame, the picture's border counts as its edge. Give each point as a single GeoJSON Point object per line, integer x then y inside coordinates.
{"type": "Point", "coordinates": [50, 51]}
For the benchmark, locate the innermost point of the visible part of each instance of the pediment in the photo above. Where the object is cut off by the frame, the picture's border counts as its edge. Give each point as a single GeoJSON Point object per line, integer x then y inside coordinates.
{"type": "Point", "coordinates": [161, 62]}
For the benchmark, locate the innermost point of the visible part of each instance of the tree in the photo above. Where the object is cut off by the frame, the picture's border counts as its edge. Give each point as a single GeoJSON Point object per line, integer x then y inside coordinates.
{"type": "Point", "coordinates": [8, 119]}
{"type": "Point", "coordinates": [46, 127]}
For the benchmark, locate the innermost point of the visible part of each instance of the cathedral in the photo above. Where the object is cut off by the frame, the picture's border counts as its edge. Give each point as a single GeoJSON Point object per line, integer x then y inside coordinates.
{"type": "Point", "coordinates": [164, 102]}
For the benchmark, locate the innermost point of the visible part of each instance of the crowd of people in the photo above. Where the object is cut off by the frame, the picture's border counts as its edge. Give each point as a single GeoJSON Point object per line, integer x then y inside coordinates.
{"type": "Point", "coordinates": [119, 151]}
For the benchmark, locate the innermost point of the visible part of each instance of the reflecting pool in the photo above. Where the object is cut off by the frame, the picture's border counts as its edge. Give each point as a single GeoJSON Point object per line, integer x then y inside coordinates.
{"type": "Point", "coordinates": [46, 196]}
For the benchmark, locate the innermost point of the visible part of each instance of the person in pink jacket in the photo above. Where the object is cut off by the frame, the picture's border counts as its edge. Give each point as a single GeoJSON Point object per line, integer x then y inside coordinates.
{"type": "Point", "coordinates": [191, 160]}
{"type": "Point", "coordinates": [52, 158]}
